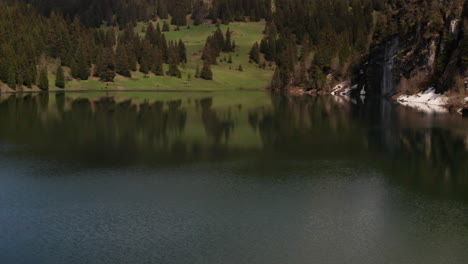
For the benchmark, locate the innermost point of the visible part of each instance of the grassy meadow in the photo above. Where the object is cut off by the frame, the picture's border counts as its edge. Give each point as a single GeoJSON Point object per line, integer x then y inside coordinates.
{"type": "Point", "coordinates": [225, 75]}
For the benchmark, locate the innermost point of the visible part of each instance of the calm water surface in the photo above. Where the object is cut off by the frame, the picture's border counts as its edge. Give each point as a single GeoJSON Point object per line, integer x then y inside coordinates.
{"type": "Point", "coordinates": [229, 177]}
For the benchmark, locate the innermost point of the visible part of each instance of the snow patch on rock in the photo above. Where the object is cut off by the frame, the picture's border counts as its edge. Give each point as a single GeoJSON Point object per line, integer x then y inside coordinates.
{"type": "Point", "coordinates": [344, 89]}
{"type": "Point", "coordinates": [428, 101]}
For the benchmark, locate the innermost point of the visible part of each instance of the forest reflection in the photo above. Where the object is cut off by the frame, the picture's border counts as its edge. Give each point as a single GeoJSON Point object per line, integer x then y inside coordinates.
{"type": "Point", "coordinates": [426, 153]}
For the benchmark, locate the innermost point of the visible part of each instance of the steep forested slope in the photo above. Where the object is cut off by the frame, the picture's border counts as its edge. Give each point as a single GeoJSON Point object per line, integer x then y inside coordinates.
{"type": "Point", "coordinates": [417, 44]}
{"type": "Point", "coordinates": [383, 46]}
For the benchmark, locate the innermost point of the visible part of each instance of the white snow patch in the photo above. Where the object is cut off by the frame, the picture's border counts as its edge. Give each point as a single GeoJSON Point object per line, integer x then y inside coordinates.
{"type": "Point", "coordinates": [343, 89]}
{"type": "Point", "coordinates": [426, 108]}
{"type": "Point", "coordinates": [427, 97]}
{"type": "Point", "coordinates": [427, 101]}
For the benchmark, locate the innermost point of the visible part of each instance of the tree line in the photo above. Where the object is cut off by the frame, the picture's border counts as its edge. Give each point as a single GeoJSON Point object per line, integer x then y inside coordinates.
{"type": "Point", "coordinates": [128, 12]}
{"type": "Point", "coordinates": [334, 32]}
{"type": "Point", "coordinates": [29, 40]}
{"type": "Point", "coordinates": [70, 32]}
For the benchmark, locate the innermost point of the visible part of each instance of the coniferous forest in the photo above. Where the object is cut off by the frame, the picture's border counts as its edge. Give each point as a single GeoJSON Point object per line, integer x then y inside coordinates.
{"type": "Point", "coordinates": [307, 44]}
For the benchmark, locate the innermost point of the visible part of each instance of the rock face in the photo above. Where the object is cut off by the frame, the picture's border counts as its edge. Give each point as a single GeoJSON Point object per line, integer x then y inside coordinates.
{"type": "Point", "coordinates": [416, 44]}
{"type": "Point", "coordinates": [388, 83]}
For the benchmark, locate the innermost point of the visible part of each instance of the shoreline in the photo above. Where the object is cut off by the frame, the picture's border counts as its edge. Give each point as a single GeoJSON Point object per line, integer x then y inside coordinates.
{"type": "Point", "coordinates": [127, 90]}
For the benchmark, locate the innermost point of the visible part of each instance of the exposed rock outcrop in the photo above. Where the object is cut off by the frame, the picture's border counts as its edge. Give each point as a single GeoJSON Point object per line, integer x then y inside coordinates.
{"type": "Point", "coordinates": [416, 44]}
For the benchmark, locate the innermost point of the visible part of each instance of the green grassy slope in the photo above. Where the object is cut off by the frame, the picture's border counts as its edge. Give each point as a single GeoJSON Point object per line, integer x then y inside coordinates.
{"type": "Point", "coordinates": [225, 75]}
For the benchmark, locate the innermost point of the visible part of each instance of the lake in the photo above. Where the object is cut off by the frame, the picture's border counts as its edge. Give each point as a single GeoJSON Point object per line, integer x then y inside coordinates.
{"type": "Point", "coordinates": [229, 177]}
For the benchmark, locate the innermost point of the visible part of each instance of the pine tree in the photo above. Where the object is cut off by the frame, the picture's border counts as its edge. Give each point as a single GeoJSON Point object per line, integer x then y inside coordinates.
{"type": "Point", "coordinates": [11, 77]}
{"type": "Point", "coordinates": [230, 59]}
{"type": "Point", "coordinates": [157, 66]}
{"type": "Point", "coordinates": [20, 81]}
{"type": "Point", "coordinates": [60, 77]}
{"type": "Point", "coordinates": [206, 71]}
{"type": "Point", "coordinates": [80, 67]}
{"type": "Point", "coordinates": [318, 78]}
{"type": "Point", "coordinates": [146, 58]}
{"type": "Point", "coordinates": [132, 57]}
{"type": "Point", "coordinates": [240, 68]}
{"type": "Point", "coordinates": [179, 13]}
{"type": "Point", "coordinates": [182, 52]}
{"type": "Point", "coordinates": [218, 41]}
{"type": "Point", "coordinates": [110, 37]}
{"type": "Point", "coordinates": [121, 62]}
{"type": "Point", "coordinates": [254, 54]}
{"type": "Point", "coordinates": [162, 45]}
{"type": "Point", "coordinates": [173, 70]}
{"type": "Point", "coordinates": [43, 80]}
{"type": "Point", "coordinates": [162, 11]}
{"type": "Point", "coordinates": [276, 82]}
{"type": "Point", "coordinates": [107, 70]}
{"type": "Point", "coordinates": [151, 35]}
{"type": "Point", "coordinates": [227, 43]}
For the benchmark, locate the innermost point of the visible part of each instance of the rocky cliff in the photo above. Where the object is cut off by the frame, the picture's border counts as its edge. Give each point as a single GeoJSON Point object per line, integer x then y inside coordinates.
{"type": "Point", "coordinates": [416, 44]}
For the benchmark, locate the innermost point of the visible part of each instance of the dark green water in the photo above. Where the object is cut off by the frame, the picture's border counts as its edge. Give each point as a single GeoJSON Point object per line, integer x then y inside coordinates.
{"type": "Point", "coordinates": [229, 177]}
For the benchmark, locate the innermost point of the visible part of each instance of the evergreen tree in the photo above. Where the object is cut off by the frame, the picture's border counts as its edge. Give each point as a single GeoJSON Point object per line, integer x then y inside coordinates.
{"type": "Point", "coordinates": [240, 68]}
{"type": "Point", "coordinates": [146, 58]}
{"type": "Point", "coordinates": [11, 81]}
{"type": "Point", "coordinates": [43, 80]}
{"type": "Point", "coordinates": [182, 52]}
{"type": "Point", "coordinates": [121, 62]}
{"type": "Point", "coordinates": [158, 64]}
{"type": "Point", "coordinates": [162, 11]}
{"type": "Point", "coordinates": [80, 66]}
{"type": "Point", "coordinates": [20, 81]}
{"type": "Point", "coordinates": [107, 65]}
{"type": "Point", "coordinates": [206, 71]}
{"type": "Point", "coordinates": [110, 37]}
{"type": "Point", "coordinates": [227, 43]}
{"type": "Point", "coordinates": [254, 54]}
{"type": "Point", "coordinates": [162, 45]}
{"type": "Point", "coordinates": [60, 77]}
{"type": "Point", "coordinates": [173, 70]}
{"type": "Point", "coordinates": [230, 59]}
{"type": "Point", "coordinates": [179, 13]}
{"type": "Point", "coordinates": [317, 77]}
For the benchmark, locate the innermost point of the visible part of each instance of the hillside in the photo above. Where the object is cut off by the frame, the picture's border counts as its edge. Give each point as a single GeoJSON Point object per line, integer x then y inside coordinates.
{"type": "Point", "coordinates": [225, 75]}
{"type": "Point", "coordinates": [124, 53]}
{"type": "Point", "coordinates": [380, 47]}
